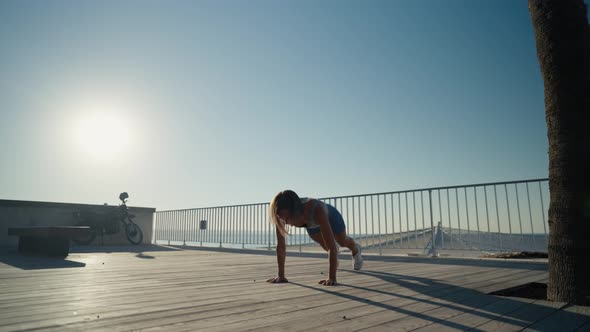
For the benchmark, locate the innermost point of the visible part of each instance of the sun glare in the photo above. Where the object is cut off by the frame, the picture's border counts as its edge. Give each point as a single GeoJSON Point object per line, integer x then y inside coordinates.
{"type": "Point", "coordinates": [103, 135]}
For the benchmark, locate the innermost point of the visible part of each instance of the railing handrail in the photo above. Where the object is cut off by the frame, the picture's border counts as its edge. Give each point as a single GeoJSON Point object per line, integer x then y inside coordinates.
{"type": "Point", "coordinates": [439, 188]}
{"type": "Point", "coordinates": [374, 194]}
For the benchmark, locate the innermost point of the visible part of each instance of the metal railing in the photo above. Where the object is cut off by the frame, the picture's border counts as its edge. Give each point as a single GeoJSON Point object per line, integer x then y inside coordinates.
{"type": "Point", "coordinates": [485, 217]}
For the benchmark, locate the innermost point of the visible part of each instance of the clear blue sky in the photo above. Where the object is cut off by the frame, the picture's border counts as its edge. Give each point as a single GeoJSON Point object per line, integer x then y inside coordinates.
{"type": "Point", "coordinates": [203, 103]}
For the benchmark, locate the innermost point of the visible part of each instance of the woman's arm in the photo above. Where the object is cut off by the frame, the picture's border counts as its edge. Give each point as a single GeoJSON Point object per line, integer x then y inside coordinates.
{"type": "Point", "coordinates": [281, 254]}
{"type": "Point", "coordinates": [322, 219]}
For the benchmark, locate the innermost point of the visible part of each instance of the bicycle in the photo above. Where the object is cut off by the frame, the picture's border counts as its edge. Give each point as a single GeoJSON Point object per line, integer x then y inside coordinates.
{"type": "Point", "coordinates": [108, 220]}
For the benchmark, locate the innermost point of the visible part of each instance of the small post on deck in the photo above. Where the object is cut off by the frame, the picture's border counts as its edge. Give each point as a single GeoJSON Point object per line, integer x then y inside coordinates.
{"type": "Point", "coordinates": [202, 227]}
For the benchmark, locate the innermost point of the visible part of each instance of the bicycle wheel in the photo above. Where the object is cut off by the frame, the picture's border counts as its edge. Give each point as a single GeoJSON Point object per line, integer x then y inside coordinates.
{"type": "Point", "coordinates": [133, 233]}
{"type": "Point", "coordinates": [86, 240]}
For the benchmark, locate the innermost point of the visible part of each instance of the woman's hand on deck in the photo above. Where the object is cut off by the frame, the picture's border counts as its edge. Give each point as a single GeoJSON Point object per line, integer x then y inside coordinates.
{"type": "Point", "coordinates": [277, 280]}
{"type": "Point", "coordinates": [328, 282]}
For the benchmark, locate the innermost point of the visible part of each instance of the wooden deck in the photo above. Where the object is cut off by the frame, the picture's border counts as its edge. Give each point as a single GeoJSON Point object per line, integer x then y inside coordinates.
{"type": "Point", "coordinates": [173, 289]}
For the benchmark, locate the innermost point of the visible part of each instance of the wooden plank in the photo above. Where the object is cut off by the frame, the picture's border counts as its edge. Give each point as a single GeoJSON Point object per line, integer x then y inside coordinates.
{"type": "Point", "coordinates": [522, 317]}
{"type": "Point", "coordinates": [415, 309]}
{"type": "Point", "coordinates": [326, 319]}
{"type": "Point", "coordinates": [159, 303]}
{"type": "Point", "coordinates": [423, 314]}
{"type": "Point", "coordinates": [294, 305]}
{"type": "Point", "coordinates": [478, 315]}
{"type": "Point", "coordinates": [569, 318]}
{"type": "Point", "coordinates": [440, 316]}
{"type": "Point", "coordinates": [322, 316]}
{"type": "Point", "coordinates": [110, 301]}
{"type": "Point", "coordinates": [185, 290]}
{"type": "Point", "coordinates": [116, 280]}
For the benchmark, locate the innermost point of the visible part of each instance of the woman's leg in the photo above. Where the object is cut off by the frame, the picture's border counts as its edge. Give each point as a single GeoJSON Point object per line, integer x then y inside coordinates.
{"type": "Point", "coordinates": [339, 229]}
{"type": "Point", "coordinates": [317, 237]}
{"type": "Point", "coordinates": [346, 241]}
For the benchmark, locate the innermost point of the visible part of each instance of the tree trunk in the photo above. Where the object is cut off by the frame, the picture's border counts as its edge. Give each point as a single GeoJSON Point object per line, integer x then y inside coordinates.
{"type": "Point", "coordinates": [563, 47]}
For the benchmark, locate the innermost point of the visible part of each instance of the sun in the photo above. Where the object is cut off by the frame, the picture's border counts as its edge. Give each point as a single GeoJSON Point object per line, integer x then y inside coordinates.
{"type": "Point", "coordinates": [103, 135]}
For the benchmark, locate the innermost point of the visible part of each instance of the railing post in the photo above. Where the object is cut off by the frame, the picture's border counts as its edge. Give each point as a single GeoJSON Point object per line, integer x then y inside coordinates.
{"type": "Point", "coordinates": [268, 225]}
{"type": "Point", "coordinates": [433, 250]}
{"type": "Point", "coordinates": [300, 240]}
{"type": "Point", "coordinates": [222, 230]}
{"type": "Point", "coordinates": [184, 228]}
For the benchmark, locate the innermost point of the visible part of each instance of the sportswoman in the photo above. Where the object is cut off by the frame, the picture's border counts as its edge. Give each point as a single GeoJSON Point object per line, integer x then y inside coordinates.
{"type": "Point", "coordinates": [323, 223]}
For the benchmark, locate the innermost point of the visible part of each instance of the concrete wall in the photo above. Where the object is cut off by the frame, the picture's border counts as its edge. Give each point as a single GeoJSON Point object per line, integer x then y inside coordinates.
{"type": "Point", "coordinates": [27, 213]}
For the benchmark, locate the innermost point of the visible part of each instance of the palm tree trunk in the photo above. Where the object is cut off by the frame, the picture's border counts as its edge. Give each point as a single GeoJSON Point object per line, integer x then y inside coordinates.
{"type": "Point", "coordinates": [563, 47]}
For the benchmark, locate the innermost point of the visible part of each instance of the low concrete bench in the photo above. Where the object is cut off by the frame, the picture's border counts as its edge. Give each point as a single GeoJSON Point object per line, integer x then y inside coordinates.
{"type": "Point", "coordinates": [50, 240]}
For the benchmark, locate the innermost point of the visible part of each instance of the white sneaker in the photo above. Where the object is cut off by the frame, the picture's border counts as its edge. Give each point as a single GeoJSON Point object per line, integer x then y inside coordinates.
{"type": "Point", "coordinates": [357, 260]}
